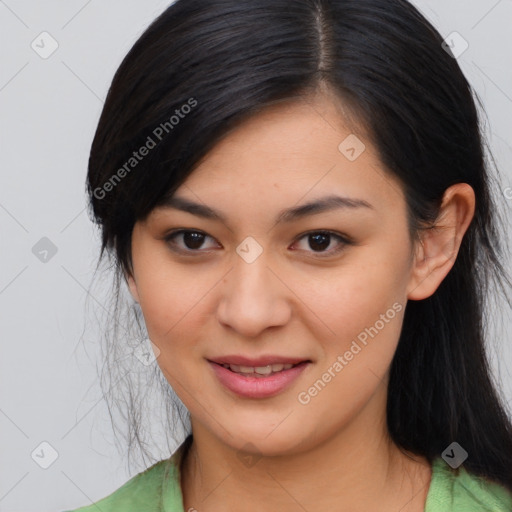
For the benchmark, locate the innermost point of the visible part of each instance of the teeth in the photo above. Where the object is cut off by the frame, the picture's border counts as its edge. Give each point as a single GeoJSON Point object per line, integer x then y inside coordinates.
{"type": "Point", "coordinates": [264, 370]}
{"type": "Point", "coordinates": [258, 370]}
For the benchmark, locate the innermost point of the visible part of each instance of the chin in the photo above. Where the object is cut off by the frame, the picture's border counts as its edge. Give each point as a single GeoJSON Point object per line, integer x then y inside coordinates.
{"type": "Point", "coordinates": [259, 443]}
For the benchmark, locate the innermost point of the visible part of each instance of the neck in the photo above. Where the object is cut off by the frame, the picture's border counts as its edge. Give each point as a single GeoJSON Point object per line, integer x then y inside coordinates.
{"type": "Point", "coordinates": [357, 467]}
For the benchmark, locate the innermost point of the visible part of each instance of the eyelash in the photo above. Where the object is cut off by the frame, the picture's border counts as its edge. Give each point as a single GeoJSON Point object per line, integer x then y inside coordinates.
{"type": "Point", "coordinates": [344, 241]}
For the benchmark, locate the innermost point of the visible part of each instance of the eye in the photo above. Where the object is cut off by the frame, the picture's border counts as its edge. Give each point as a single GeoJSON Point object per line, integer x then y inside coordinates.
{"type": "Point", "coordinates": [318, 241]}
{"type": "Point", "coordinates": [192, 239]}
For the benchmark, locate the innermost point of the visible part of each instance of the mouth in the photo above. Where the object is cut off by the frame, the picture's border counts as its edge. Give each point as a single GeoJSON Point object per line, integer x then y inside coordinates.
{"type": "Point", "coordinates": [259, 372]}
{"type": "Point", "coordinates": [264, 378]}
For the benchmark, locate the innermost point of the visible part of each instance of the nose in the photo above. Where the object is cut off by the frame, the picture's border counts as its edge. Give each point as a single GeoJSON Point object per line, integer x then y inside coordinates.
{"type": "Point", "coordinates": [253, 298]}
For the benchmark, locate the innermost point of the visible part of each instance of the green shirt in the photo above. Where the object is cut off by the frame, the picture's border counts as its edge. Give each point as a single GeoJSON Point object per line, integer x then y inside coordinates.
{"type": "Point", "coordinates": [157, 489]}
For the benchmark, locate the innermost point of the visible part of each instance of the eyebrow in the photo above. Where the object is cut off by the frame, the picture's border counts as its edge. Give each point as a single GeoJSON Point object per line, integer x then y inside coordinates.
{"type": "Point", "coordinates": [316, 206]}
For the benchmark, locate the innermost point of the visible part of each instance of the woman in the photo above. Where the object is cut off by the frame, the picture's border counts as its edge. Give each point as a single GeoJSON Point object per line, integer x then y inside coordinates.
{"type": "Point", "coordinates": [296, 196]}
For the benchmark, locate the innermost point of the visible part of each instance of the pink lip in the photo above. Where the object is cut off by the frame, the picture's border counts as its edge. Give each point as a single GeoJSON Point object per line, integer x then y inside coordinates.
{"type": "Point", "coordinates": [257, 387]}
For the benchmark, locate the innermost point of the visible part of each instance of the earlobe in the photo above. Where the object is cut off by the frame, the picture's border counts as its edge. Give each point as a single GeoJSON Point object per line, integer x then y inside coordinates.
{"type": "Point", "coordinates": [437, 251]}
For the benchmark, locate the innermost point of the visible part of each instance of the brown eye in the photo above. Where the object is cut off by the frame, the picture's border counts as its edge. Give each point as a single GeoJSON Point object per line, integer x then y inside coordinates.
{"type": "Point", "coordinates": [191, 240]}
{"type": "Point", "coordinates": [319, 241]}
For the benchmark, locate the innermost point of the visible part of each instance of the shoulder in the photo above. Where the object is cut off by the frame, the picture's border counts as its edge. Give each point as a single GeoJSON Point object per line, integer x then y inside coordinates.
{"type": "Point", "coordinates": [460, 491]}
{"type": "Point", "coordinates": [153, 490]}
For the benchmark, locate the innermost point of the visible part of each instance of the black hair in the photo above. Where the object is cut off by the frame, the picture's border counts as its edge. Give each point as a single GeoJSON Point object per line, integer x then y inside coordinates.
{"type": "Point", "coordinates": [204, 66]}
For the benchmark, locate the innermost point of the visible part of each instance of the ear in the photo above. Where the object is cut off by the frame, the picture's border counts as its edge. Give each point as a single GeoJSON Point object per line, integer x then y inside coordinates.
{"type": "Point", "coordinates": [132, 285]}
{"type": "Point", "coordinates": [437, 250]}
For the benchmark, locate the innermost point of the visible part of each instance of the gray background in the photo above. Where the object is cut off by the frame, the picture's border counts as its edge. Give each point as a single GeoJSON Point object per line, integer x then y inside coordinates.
{"type": "Point", "coordinates": [49, 110]}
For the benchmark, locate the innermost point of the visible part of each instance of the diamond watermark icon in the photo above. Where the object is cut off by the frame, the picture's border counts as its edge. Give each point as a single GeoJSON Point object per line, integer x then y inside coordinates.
{"type": "Point", "coordinates": [455, 45]}
{"type": "Point", "coordinates": [44, 250]}
{"type": "Point", "coordinates": [249, 249]}
{"type": "Point", "coordinates": [352, 147]}
{"type": "Point", "coordinates": [454, 455]}
{"type": "Point", "coordinates": [249, 459]}
{"type": "Point", "coordinates": [44, 455]}
{"type": "Point", "coordinates": [44, 45]}
{"type": "Point", "coordinates": [147, 352]}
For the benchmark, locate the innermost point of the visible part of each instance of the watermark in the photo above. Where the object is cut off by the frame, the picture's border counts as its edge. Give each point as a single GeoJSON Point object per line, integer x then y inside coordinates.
{"type": "Point", "coordinates": [508, 193]}
{"type": "Point", "coordinates": [44, 250]}
{"type": "Point", "coordinates": [146, 352]}
{"type": "Point", "coordinates": [304, 397]}
{"type": "Point", "coordinates": [454, 455]}
{"type": "Point", "coordinates": [44, 455]}
{"type": "Point", "coordinates": [137, 156]}
{"type": "Point", "coordinates": [455, 45]}
{"type": "Point", "coordinates": [249, 455]}
{"type": "Point", "coordinates": [352, 147]}
{"type": "Point", "coordinates": [44, 45]}
{"type": "Point", "coordinates": [249, 249]}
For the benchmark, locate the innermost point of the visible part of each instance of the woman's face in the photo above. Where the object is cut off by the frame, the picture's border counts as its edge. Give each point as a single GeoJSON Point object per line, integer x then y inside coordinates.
{"type": "Point", "coordinates": [268, 287]}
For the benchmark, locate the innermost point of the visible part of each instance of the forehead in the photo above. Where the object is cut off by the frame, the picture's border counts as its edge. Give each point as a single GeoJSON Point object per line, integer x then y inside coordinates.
{"type": "Point", "coordinates": [299, 147]}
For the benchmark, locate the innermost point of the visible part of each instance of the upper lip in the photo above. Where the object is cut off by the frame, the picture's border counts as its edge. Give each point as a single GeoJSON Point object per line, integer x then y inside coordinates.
{"type": "Point", "coordinates": [258, 361]}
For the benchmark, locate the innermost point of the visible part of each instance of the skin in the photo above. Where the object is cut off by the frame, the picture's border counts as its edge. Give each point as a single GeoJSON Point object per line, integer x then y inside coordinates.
{"type": "Point", "coordinates": [291, 301]}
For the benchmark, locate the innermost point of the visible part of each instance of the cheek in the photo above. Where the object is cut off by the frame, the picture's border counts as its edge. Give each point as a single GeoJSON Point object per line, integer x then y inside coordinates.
{"type": "Point", "coordinates": [169, 297]}
{"type": "Point", "coordinates": [358, 294]}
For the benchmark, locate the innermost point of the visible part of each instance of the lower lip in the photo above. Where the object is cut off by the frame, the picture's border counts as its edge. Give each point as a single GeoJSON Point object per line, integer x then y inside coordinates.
{"type": "Point", "coordinates": [257, 387]}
